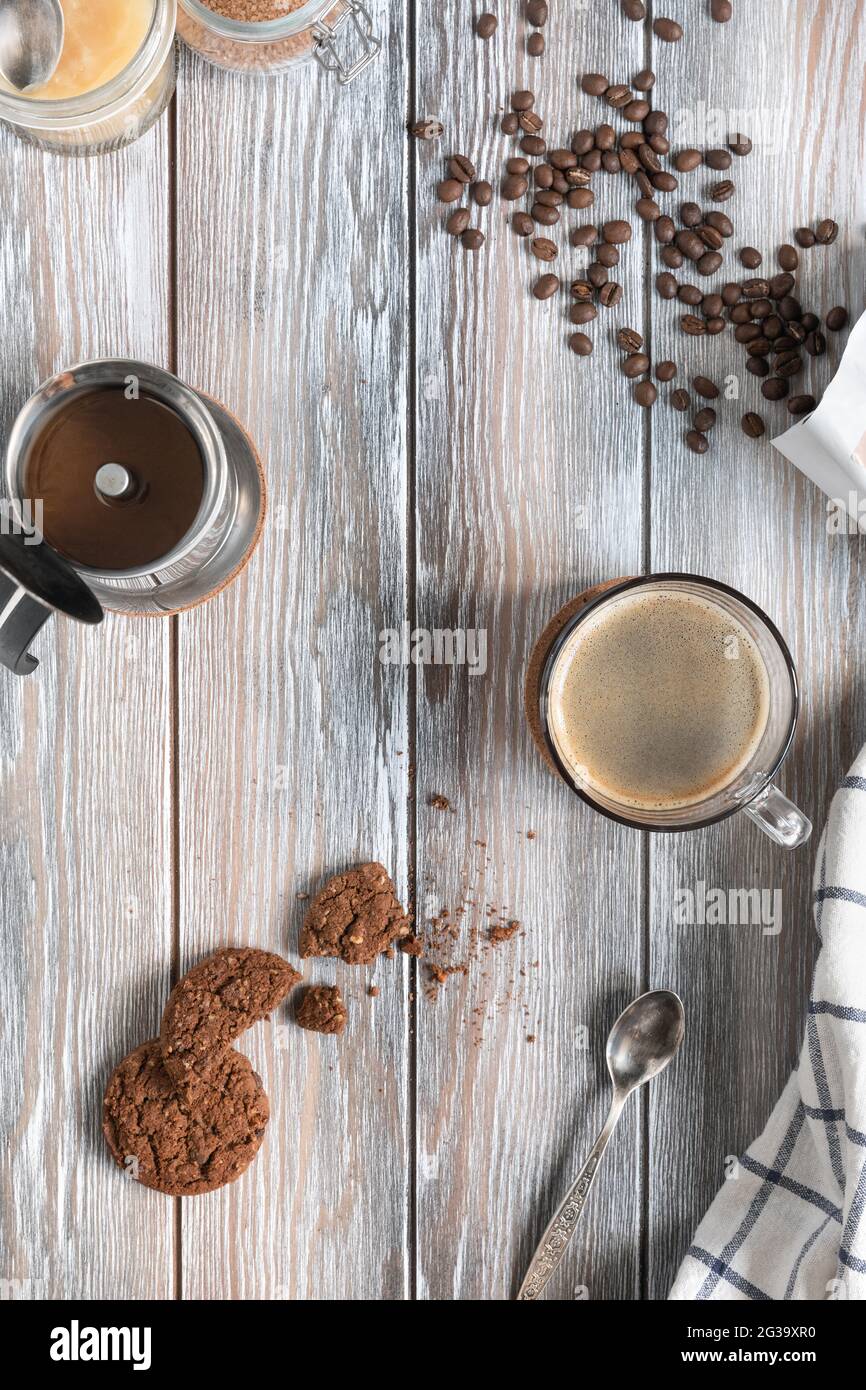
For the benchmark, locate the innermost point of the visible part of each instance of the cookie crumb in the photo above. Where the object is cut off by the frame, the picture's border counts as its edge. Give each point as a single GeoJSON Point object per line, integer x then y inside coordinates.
{"type": "Point", "coordinates": [439, 802]}
{"type": "Point", "coordinates": [530, 1037]}
{"type": "Point", "coordinates": [373, 991]}
{"type": "Point", "coordinates": [412, 946]}
{"type": "Point", "coordinates": [503, 933]}
{"type": "Point", "coordinates": [322, 1010]}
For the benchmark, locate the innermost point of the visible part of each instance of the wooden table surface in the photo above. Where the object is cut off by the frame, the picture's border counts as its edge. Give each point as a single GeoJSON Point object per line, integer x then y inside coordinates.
{"type": "Point", "coordinates": [434, 455]}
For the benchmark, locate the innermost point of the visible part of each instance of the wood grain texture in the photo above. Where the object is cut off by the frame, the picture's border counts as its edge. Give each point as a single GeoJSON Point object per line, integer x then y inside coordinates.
{"type": "Point", "coordinates": [85, 811]}
{"type": "Point", "coordinates": [293, 736]}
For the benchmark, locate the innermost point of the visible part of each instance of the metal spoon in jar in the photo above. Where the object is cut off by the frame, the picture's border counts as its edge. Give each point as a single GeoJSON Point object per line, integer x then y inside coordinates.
{"type": "Point", "coordinates": [31, 41]}
{"type": "Point", "coordinates": [645, 1037]}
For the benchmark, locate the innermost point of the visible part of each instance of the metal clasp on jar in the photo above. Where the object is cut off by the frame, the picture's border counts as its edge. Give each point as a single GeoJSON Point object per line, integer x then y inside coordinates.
{"type": "Point", "coordinates": [327, 34]}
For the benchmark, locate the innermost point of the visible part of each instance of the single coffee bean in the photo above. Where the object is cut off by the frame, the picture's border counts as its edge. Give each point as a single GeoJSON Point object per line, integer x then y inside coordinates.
{"type": "Point", "coordinates": [584, 236]}
{"type": "Point", "coordinates": [481, 193]}
{"type": "Point", "coordinates": [636, 364]}
{"type": "Point", "coordinates": [752, 425]}
{"type": "Point", "coordinates": [718, 159]}
{"type": "Point", "coordinates": [721, 192]}
{"type": "Point", "coordinates": [618, 96]}
{"type": "Point", "coordinates": [666, 285]}
{"type": "Point", "coordinates": [826, 232]}
{"type": "Point", "coordinates": [530, 122]}
{"type": "Point", "coordinates": [597, 274]}
{"type": "Point", "coordinates": [644, 81]}
{"type": "Point", "coordinates": [523, 224]}
{"type": "Point", "coordinates": [648, 209]}
{"type": "Point", "coordinates": [509, 124]}
{"type": "Point", "coordinates": [537, 12]}
{"type": "Point", "coordinates": [790, 308]}
{"type": "Point", "coordinates": [543, 249]}
{"type": "Point", "coordinates": [582, 142]}
{"type": "Point", "coordinates": [665, 230]}
{"type": "Point", "coordinates": [582, 313]}
{"type": "Point", "coordinates": [697, 442]}
{"type": "Point", "coordinates": [693, 326]}
{"type": "Point", "coordinates": [472, 239]}
{"type": "Point", "coordinates": [581, 344]}
{"type": "Point", "coordinates": [731, 293]}
{"type": "Point", "coordinates": [774, 388]}
{"type": "Point", "coordinates": [721, 10]}
{"type": "Point", "coordinates": [773, 327]}
{"type": "Point", "coordinates": [427, 130]}
{"type": "Point", "coordinates": [458, 222]}
{"type": "Point", "coordinates": [755, 289]}
{"type": "Point", "coordinates": [514, 187]}
{"type": "Point", "coordinates": [715, 326]}
{"type": "Point", "coordinates": [760, 347]}
{"type": "Point", "coordinates": [690, 215]}
{"type": "Point", "coordinates": [533, 145]}
{"type": "Point", "coordinates": [610, 294]}
{"type": "Point", "coordinates": [643, 182]}
{"type": "Point", "coordinates": [672, 256]}
{"type": "Point", "coordinates": [805, 237]}
{"type": "Point", "coordinates": [787, 257]}
{"type": "Point", "coordinates": [591, 161]}
{"type": "Point", "coordinates": [605, 137]}
{"type": "Point", "coordinates": [450, 190]}
{"type": "Point", "coordinates": [660, 143]}
{"type": "Point", "coordinates": [543, 176]}
{"type": "Point", "coordinates": [656, 123]}
{"type": "Point", "coordinates": [710, 237]}
{"type": "Point", "coordinates": [747, 332]}
{"type": "Point", "coordinates": [649, 159]}
{"type": "Point", "coordinates": [686, 160]}
{"type": "Point", "coordinates": [667, 30]}
{"type": "Point", "coordinates": [740, 313]}
{"type": "Point", "coordinates": [665, 183]}
{"type": "Point", "coordinates": [581, 290]}
{"type": "Point", "coordinates": [549, 198]}
{"type": "Point", "coordinates": [689, 294]}
{"type": "Point", "coordinates": [709, 263]}
{"type": "Point", "coordinates": [802, 405]}
{"type": "Point", "coordinates": [788, 364]}
{"type": "Point", "coordinates": [535, 45]}
{"type": "Point", "coordinates": [758, 366]}
{"type": "Point", "coordinates": [810, 322]}
{"type": "Point", "coordinates": [616, 232]}
{"type": "Point", "coordinates": [629, 340]}
{"type": "Point", "coordinates": [517, 166]}
{"type": "Point", "coordinates": [705, 419]}
{"type": "Point", "coordinates": [740, 144]}
{"type": "Point", "coordinates": [680, 399]}
{"type": "Point", "coordinates": [610, 162]}
{"type": "Point", "coordinates": [721, 223]}
{"type": "Point", "coordinates": [594, 84]}
{"type": "Point", "coordinates": [607, 255]}
{"type": "Point", "coordinates": [816, 344]}
{"type": "Point", "coordinates": [545, 216]}
{"type": "Point", "coordinates": [562, 159]}
{"type": "Point", "coordinates": [712, 305]}
{"type": "Point", "coordinates": [691, 245]}
{"type": "Point", "coordinates": [761, 308]}
{"type": "Point", "coordinates": [645, 394]}
{"type": "Point", "coordinates": [750, 257]}
{"type": "Point", "coordinates": [666, 370]}
{"type": "Point", "coordinates": [546, 287]}
{"type": "Point", "coordinates": [836, 319]}
{"type": "Point", "coordinates": [636, 110]}
{"type": "Point", "coordinates": [486, 26]}
{"type": "Point", "coordinates": [781, 284]}
{"type": "Point", "coordinates": [522, 101]}
{"type": "Point", "coordinates": [784, 343]}
{"type": "Point", "coordinates": [706, 388]}
{"type": "Point", "coordinates": [628, 161]}
{"type": "Point", "coordinates": [634, 9]}
{"type": "Point", "coordinates": [580, 198]}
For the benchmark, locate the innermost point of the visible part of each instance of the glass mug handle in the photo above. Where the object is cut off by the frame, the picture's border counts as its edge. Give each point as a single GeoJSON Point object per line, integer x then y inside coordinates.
{"type": "Point", "coordinates": [779, 818]}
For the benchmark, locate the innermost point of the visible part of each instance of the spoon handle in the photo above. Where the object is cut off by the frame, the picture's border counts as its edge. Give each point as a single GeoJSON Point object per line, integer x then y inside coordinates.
{"type": "Point", "coordinates": [557, 1237]}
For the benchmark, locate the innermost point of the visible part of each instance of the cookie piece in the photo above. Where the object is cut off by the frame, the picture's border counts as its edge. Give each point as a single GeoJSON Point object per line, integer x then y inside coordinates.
{"type": "Point", "coordinates": [214, 1003]}
{"type": "Point", "coordinates": [185, 1143]}
{"type": "Point", "coordinates": [322, 1010]}
{"type": "Point", "coordinates": [356, 916]}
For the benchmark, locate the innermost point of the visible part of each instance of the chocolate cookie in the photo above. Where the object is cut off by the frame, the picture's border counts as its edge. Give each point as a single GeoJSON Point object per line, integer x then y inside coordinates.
{"type": "Point", "coordinates": [356, 916]}
{"type": "Point", "coordinates": [322, 1010]}
{"type": "Point", "coordinates": [184, 1144]}
{"type": "Point", "coordinates": [214, 1003]}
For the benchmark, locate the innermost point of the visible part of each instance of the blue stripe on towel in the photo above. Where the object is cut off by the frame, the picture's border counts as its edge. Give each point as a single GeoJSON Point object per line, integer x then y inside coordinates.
{"type": "Point", "coordinates": [835, 894]}
{"type": "Point", "coordinates": [843, 1011]}
{"type": "Point", "coordinates": [799, 1189]}
{"type": "Point", "coordinates": [724, 1271]}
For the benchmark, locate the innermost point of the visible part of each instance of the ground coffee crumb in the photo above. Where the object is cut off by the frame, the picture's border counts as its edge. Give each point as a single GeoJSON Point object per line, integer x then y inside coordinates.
{"type": "Point", "coordinates": [412, 946]}
{"type": "Point", "coordinates": [322, 1010]}
{"type": "Point", "coordinates": [439, 803]}
{"type": "Point", "coordinates": [503, 933]}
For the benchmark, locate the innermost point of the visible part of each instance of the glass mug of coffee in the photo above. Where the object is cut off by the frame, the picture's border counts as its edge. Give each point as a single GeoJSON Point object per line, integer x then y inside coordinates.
{"type": "Point", "coordinates": [669, 702]}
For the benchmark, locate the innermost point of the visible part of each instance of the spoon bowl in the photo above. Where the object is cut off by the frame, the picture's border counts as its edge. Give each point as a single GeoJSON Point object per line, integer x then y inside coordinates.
{"type": "Point", "coordinates": [644, 1038]}
{"type": "Point", "coordinates": [31, 42]}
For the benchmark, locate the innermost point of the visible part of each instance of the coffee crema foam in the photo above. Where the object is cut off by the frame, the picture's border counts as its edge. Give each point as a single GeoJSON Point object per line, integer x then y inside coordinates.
{"type": "Point", "coordinates": [659, 700]}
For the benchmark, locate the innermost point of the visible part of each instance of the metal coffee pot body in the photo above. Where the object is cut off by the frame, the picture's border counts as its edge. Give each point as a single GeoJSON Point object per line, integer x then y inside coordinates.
{"type": "Point", "coordinates": [209, 556]}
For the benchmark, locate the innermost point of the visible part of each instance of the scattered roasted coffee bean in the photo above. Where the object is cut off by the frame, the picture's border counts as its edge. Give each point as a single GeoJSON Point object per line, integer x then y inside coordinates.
{"type": "Point", "coordinates": [616, 232]}
{"type": "Point", "coordinates": [773, 327]}
{"type": "Point", "coordinates": [816, 344]}
{"type": "Point", "coordinates": [628, 161]}
{"type": "Point", "coordinates": [809, 323]}
{"type": "Point", "coordinates": [535, 45]}
{"type": "Point", "coordinates": [645, 394]}
{"type": "Point", "coordinates": [826, 232]}
{"type": "Point", "coordinates": [546, 287]}
{"type": "Point", "coordinates": [610, 294]}
{"type": "Point", "coordinates": [481, 193]}
{"type": "Point", "coordinates": [581, 290]}
{"type": "Point", "coordinates": [781, 284]}
{"type": "Point", "coordinates": [706, 388]}
{"type": "Point", "coordinates": [591, 161]}
{"type": "Point", "coordinates": [794, 332]}
{"type": "Point", "coordinates": [747, 332]}
{"type": "Point", "coordinates": [755, 289]}
{"type": "Point", "coordinates": [580, 198]}
{"type": "Point", "coordinates": [751, 257]}
{"type": "Point", "coordinates": [522, 101]}
{"type": "Point", "coordinates": [740, 313]}
{"type": "Point", "coordinates": [718, 159]}
{"type": "Point", "coordinates": [629, 340]}
{"type": "Point", "coordinates": [836, 319]}
{"type": "Point", "coordinates": [693, 326]}
{"type": "Point", "coordinates": [712, 305]}
{"type": "Point", "coordinates": [543, 249]}
{"type": "Point", "coordinates": [731, 293]}
{"type": "Point", "coordinates": [709, 263]}
{"type": "Point", "coordinates": [705, 419]}
{"type": "Point", "coordinates": [549, 198]}
{"type": "Point", "coordinates": [618, 96]}
{"type": "Point", "coordinates": [761, 308]}
{"type": "Point", "coordinates": [458, 222]}
{"type": "Point", "coordinates": [710, 237]}
{"type": "Point", "coordinates": [597, 274]}
{"type": "Point", "coordinates": [721, 10]}
{"type": "Point", "coordinates": [758, 366]}
{"type": "Point", "coordinates": [581, 344]}
{"type": "Point", "coordinates": [544, 215]}
{"type": "Point", "coordinates": [523, 224]}
{"type": "Point", "coordinates": [660, 143]}
{"type": "Point", "coordinates": [802, 405]}
{"type": "Point", "coordinates": [517, 166]}
{"type": "Point", "coordinates": [510, 124]}
{"type": "Point", "coordinates": [562, 159]}
{"type": "Point", "coordinates": [686, 160]}
{"type": "Point", "coordinates": [584, 236]}
{"type": "Point", "coordinates": [760, 347]}
{"type": "Point", "coordinates": [740, 144]}
{"type": "Point", "coordinates": [582, 313]}
{"type": "Point", "coordinates": [634, 9]}
{"type": "Point", "coordinates": [472, 239]}
{"type": "Point", "coordinates": [664, 230]}
{"type": "Point", "coordinates": [608, 255]}
{"type": "Point", "coordinates": [790, 308]}
{"type": "Point", "coordinates": [530, 122]}
{"type": "Point", "coordinates": [752, 425]}
{"type": "Point", "coordinates": [450, 190]}
{"type": "Point", "coordinates": [667, 30]}
{"type": "Point", "coordinates": [721, 192]}
{"type": "Point", "coordinates": [656, 123]}
{"type": "Point", "coordinates": [648, 209]}
{"type": "Point", "coordinates": [716, 326]}
{"type": "Point", "coordinates": [697, 442]}
{"type": "Point", "coordinates": [691, 245]}
{"type": "Point", "coordinates": [644, 81]}
{"type": "Point", "coordinates": [680, 399]}
{"type": "Point", "coordinates": [513, 187]}
{"type": "Point", "coordinates": [666, 370]}
{"type": "Point", "coordinates": [427, 130]}
{"type": "Point", "coordinates": [665, 183]}
{"type": "Point", "coordinates": [537, 12]}
{"type": "Point", "coordinates": [533, 145]}
{"type": "Point", "coordinates": [636, 110]}
{"type": "Point", "coordinates": [720, 222]}
{"type": "Point", "coordinates": [666, 285]}
{"type": "Point", "coordinates": [486, 26]}
{"type": "Point", "coordinates": [582, 142]}
{"type": "Point", "coordinates": [691, 215]}
{"type": "Point", "coordinates": [672, 256]}
{"type": "Point", "coordinates": [594, 84]}
{"type": "Point", "coordinates": [644, 183]}
{"type": "Point", "coordinates": [775, 388]}
{"type": "Point", "coordinates": [649, 159]}
{"type": "Point", "coordinates": [543, 176]}
{"type": "Point", "coordinates": [788, 364]}
{"type": "Point", "coordinates": [689, 294]}
{"type": "Point", "coordinates": [805, 237]}
{"type": "Point", "coordinates": [787, 257]}
{"type": "Point", "coordinates": [636, 364]}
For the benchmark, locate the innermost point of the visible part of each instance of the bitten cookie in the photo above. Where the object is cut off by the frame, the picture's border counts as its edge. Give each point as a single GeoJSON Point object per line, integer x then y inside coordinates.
{"type": "Point", "coordinates": [322, 1010]}
{"type": "Point", "coordinates": [214, 1003]}
{"type": "Point", "coordinates": [356, 916]}
{"type": "Point", "coordinates": [187, 1144]}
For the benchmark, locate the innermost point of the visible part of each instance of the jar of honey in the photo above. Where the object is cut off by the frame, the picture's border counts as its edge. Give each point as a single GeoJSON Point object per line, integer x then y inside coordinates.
{"type": "Point", "coordinates": [115, 77]}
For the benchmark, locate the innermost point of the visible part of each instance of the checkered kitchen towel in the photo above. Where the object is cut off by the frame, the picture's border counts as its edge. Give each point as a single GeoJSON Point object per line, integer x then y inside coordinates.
{"type": "Point", "coordinates": [792, 1225]}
